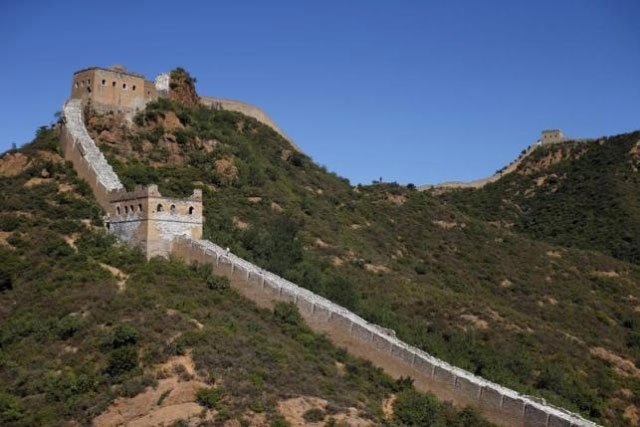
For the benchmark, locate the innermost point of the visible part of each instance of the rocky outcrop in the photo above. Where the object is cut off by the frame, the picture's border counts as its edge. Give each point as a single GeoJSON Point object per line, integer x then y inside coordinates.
{"type": "Point", "coordinates": [183, 88]}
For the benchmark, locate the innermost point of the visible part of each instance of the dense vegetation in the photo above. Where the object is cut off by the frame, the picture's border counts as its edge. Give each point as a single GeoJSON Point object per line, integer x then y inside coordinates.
{"type": "Point", "coordinates": [72, 340]}
{"type": "Point", "coordinates": [576, 194]}
{"type": "Point", "coordinates": [550, 321]}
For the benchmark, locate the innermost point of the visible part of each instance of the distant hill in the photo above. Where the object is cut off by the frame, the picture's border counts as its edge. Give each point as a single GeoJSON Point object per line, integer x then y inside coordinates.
{"type": "Point", "coordinates": [557, 322]}
{"type": "Point", "coordinates": [575, 194]}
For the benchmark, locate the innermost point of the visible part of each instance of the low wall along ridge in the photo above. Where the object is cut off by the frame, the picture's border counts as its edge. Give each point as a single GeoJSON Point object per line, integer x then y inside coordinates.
{"type": "Point", "coordinates": [87, 159]}
{"type": "Point", "coordinates": [499, 404]}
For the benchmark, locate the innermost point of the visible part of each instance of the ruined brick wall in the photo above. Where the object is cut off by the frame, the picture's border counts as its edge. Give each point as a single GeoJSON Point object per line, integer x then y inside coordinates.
{"type": "Point", "coordinates": [499, 404]}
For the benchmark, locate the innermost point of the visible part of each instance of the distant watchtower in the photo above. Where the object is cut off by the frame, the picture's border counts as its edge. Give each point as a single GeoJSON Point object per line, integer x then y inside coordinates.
{"type": "Point", "coordinates": [144, 217]}
{"type": "Point", "coordinates": [552, 136]}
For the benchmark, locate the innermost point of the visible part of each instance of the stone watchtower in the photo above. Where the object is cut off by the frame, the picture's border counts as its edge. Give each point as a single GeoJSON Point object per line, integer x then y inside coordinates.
{"type": "Point", "coordinates": [552, 136]}
{"type": "Point", "coordinates": [113, 88]}
{"type": "Point", "coordinates": [145, 218]}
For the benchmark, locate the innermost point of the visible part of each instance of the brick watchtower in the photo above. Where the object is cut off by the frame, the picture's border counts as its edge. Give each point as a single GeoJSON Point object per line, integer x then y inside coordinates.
{"type": "Point", "coordinates": [147, 219]}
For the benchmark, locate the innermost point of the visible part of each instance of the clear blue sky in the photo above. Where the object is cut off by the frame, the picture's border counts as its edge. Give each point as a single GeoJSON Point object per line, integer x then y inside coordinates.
{"type": "Point", "coordinates": [412, 91]}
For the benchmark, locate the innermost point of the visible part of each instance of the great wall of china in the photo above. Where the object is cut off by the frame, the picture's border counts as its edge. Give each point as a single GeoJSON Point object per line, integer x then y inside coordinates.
{"type": "Point", "coordinates": [548, 137]}
{"type": "Point", "coordinates": [499, 404]}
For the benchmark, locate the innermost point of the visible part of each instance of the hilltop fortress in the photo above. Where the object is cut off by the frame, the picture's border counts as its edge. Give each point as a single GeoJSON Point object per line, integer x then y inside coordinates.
{"type": "Point", "coordinates": [163, 226]}
{"type": "Point", "coordinates": [117, 89]}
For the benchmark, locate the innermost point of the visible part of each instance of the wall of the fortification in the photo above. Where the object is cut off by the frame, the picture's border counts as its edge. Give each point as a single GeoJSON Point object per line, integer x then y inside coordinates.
{"type": "Point", "coordinates": [248, 110]}
{"type": "Point", "coordinates": [87, 159]}
{"type": "Point", "coordinates": [499, 404]}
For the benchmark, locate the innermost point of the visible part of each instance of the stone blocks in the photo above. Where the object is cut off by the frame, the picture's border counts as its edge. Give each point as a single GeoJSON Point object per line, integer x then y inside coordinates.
{"type": "Point", "coordinates": [381, 343]}
{"type": "Point", "coordinates": [535, 417]}
{"type": "Point", "coordinates": [403, 354]}
{"type": "Point", "coordinates": [555, 421]}
{"type": "Point", "coordinates": [513, 407]}
{"type": "Point", "coordinates": [490, 398]}
{"type": "Point", "coordinates": [361, 333]}
{"type": "Point", "coordinates": [469, 389]}
{"type": "Point", "coordinates": [444, 377]}
{"type": "Point", "coordinates": [424, 366]}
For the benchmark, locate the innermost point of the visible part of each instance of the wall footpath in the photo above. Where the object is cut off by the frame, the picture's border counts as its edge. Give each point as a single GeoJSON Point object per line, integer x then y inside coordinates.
{"type": "Point", "coordinates": [87, 159]}
{"type": "Point", "coordinates": [499, 404]}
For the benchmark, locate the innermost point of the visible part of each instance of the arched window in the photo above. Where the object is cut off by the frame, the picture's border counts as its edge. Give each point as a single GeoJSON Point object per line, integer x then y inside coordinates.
{"type": "Point", "coordinates": [190, 210]}
{"type": "Point", "coordinates": [126, 209]}
{"type": "Point", "coordinates": [124, 86]}
{"type": "Point", "coordinates": [113, 84]}
{"type": "Point", "coordinates": [118, 209]}
{"type": "Point", "coordinates": [140, 207]}
{"type": "Point", "coordinates": [104, 82]}
{"type": "Point", "coordinates": [173, 208]}
{"type": "Point", "coordinates": [159, 208]}
{"type": "Point", "coordinates": [132, 209]}
{"type": "Point", "coordinates": [133, 87]}
{"type": "Point", "coordinates": [77, 85]}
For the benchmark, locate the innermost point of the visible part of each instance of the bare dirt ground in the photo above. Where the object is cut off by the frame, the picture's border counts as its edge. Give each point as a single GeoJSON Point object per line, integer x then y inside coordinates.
{"type": "Point", "coordinates": [172, 400]}
{"type": "Point", "coordinates": [118, 274]}
{"type": "Point", "coordinates": [293, 411]}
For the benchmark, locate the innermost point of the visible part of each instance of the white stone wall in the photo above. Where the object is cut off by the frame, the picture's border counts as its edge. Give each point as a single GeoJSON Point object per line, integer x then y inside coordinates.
{"type": "Point", "coordinates": [74, 123]}
{"type": "Point", "coordinates": [533, 411]}
{"type": "Point", "coordinates": [162, 82]}
{"type": "Point", "coordinates": [170, 225]}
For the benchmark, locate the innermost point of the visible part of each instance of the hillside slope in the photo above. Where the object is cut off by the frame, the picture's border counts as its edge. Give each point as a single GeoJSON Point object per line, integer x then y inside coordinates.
{"type": "Point", "coordinates": [554, 322]}
{"type": "Point", "coordinates": [89, 331]}
{"type": "Point", "coordinates": [575, 194]}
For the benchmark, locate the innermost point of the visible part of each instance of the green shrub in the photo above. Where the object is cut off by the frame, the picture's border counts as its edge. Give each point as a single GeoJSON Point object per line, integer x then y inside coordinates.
{"type": "Point", "coordinates": [124, 335]}
{"type": "Point", "coordinates": [313, 415]}
{"type": "Point", "coordinates": [416, 409]}
{"type": "Point", "coordinates": [209, 397]}
{"type": "Point", "coordinates": [10, 409]}
{"type": "Point", "coordinates": [122, 360]}
{"type": "Point", "coordinates": [279, 421]}
{"type": "Point", "coordinates": [68, 326]}
{"type": "Point", "coordinates": [218, 283]}
{"type": "Point", "coordinates": [287, 312]}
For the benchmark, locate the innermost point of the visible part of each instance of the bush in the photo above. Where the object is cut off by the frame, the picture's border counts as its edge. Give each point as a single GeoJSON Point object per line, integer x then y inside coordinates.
{"type": "Point", "coordinates": [10, 409]}
{"type": "Point", "coordinates": [122, 360]}
{"type": "Point", "coordinates": [209, 397]}
{"type": "Point", "coordinates": [218, 283]}
{"type": "Point", "coordinates": [124, 335]}
{"type": "Point", "coordinates": [416, 409]}
{"type": "Point", "coordinates": [313, 415]}
{"type": "Point", "coordinates": [287, 313]}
